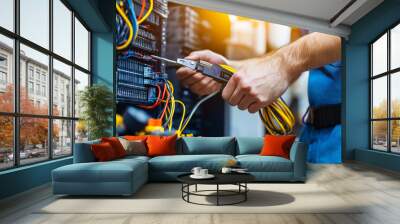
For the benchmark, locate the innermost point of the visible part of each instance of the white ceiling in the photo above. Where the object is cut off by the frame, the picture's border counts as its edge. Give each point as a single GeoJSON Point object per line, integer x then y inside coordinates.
{"type": "Point", "coordinates": [316, 15]}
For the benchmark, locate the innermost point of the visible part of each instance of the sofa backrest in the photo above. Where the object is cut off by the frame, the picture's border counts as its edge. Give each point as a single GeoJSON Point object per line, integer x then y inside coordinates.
{"type": "Point", "coordinates": [249, 145]}
{"type": "Point", "coordinates": [83, 152]}
{"type": "Point", "coordinates": [206, 145]}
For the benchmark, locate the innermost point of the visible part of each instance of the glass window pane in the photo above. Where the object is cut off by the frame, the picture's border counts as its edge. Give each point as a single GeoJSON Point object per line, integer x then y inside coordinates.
{"type": "Point", "coordinates": [379, 56]}
{"type": "Point", "coordinates": [7, 14]}
{"type": "Point", "coordinates": [62, 138]}
{"type": "Point", "coordinates": [62, 89]}
{"type": "Point", "coordinates": [6, 74]}
{"type": "Point", "coordinates": [81, 81]}
{"type": "Point", "coordinates": [379, 97]}
{"type": "Point", "coordinates": [81, 131]}
{"type": "Point", "coordinates": [34, 72]}
{"type": "Point", "coordinates": [81, 45]}
{"type": "Point", "coordinates": [33, 139]}
{"type": "Point", "coordinates": [35, 21]}
{"type": "Point", "coordinates": [6, 142]}
{"type": "Point", "coordinates": [395, 94]}
{"type": "Point", "coordinates": [62, 29]}
{"type": "Point", "coordinates": [379, 135]}
{"type": "Point", "coordinates": [395, 136]}
{"type": "Point", "coordinates": [395, 47]}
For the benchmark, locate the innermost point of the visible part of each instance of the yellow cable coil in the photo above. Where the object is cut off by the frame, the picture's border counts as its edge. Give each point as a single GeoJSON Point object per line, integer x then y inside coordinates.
{"type": "Point", "coordinates": [277, 117]}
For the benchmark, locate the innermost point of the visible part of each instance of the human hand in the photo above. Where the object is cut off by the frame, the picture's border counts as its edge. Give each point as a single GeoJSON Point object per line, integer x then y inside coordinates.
{"type": "Point", "coordinates": [197, 82]}
{"type": "Point", "coordinates": [258, 83]}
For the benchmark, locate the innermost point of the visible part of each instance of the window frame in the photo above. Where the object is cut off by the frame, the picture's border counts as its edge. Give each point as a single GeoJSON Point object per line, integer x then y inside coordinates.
{"type": "Point", "coordinates": [16, 114]}
{"type": "Point", "coordinates": [388, 74]}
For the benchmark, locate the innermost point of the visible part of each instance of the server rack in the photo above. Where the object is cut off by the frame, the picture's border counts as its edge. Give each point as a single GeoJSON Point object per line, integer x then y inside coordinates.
{"type": "Point", "coordinates": [137, 74]}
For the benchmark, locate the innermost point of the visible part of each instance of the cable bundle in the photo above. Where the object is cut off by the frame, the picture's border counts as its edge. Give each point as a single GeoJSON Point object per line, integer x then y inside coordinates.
{"type": "Point", "coordinates": [127, 23]}
{"type": "Point", "coordinates": [277, 118]}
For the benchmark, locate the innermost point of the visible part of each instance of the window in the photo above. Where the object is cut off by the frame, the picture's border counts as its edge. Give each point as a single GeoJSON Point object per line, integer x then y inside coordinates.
{"type": "Point", "coordinates": [7, 73]}
{"type": "Point", "coordinates": [48, 80]}
{"type": "Point", "coordinates": [385, 94]}
{"type": "Point", "coordinates": [3, 61]}
{"type": "Point", "coordinates": [62, 29]}
{"type": "Point", "coordinates": [81, 45]}
{"type": "Point", "coordinates": [30, 72]}
{"type": "Point", "coordinates": [7, 14]}
{"type": "Point", "coordinates": [30, 87]}
{"type": "Point", "coordinates": [3, 78]}
{"type": "Point", "coordinates": [38, 89]}
{"type": "Point", "coordinates": [62, 74]}
{"type": "Point", "coordinates": [34, 21]}
{"type": "Point", "coordinates": [44, 91]}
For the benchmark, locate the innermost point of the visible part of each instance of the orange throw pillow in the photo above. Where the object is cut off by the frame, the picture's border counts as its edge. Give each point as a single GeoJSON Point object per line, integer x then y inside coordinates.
{"type": "Point", "coordinates": [116, 145]}
{"type": "Point", "coordinates": [135, 137]}
{"type": "Point", "coordinates": [103, 152]}
{"type": "Point", "coordinates": [161, 145]}
{"type": "Point", "coordinates": [275, 145]}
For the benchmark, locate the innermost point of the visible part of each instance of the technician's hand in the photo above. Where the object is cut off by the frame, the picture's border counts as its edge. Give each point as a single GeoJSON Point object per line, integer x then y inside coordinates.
{"type": "Point", "coordinates": [257, 83]}
{"type": "Point", "coordinates": [196, 82]}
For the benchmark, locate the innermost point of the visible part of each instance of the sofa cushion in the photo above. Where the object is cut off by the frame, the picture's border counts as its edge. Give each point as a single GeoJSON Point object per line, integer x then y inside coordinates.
{"type": "Point", "coordinates": [103, 152]}
{"type": "Point", "coordinates": [116, 170]}
{"type": "Point", "coordinates": [207, 145]}
{"type": "Point", "coordinates": [83, 152]}
{"type": "Point", "coordinates": [161, 145]}
{"type": "Point", "coordinates": [135, 147]}
{"type": "Point", "coordinates": [116, 145]}
{"type": "Point", "coordinates": [249, 145]}
{"type": "Point", "coordinates": [277, 145]}
{"type": "Point", "coordinates": [185, 163]}
{"type": "Point", "coordinates": [257, 163]}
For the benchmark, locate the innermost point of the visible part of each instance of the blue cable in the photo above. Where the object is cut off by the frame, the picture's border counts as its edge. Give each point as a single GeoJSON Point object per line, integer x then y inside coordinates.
{"type": "Point", "coordinates": [133, 15]}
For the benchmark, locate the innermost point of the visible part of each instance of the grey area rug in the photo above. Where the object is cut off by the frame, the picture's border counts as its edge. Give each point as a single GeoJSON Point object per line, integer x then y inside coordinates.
{"type": "Point", "coordinates": [166, 198]}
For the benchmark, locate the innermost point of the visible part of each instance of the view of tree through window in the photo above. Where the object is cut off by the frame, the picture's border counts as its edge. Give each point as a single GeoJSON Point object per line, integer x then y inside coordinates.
{"type": "Point", "coordinates": [385, 91]}
{"type": "Point", "coordinates": [41, 122]}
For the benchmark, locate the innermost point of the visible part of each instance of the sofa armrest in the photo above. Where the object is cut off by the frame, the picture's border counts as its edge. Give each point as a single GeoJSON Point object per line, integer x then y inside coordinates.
{"type": "Point", "coordinates": [83, 152]}
{"type": "Point", "coordinates": [298, 155]}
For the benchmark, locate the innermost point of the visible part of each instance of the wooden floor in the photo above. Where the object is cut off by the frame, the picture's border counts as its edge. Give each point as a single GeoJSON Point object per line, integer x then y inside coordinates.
{"type": "Point", "coordinates": [379, 189]}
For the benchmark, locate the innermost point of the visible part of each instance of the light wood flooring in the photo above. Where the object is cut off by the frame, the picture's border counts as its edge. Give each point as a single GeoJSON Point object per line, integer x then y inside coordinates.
{"type": "Point", "coordinates": [377, 188]}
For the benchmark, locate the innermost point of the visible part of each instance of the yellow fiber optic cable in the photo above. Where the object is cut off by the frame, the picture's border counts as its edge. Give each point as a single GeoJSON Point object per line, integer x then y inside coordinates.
{"type": "Point", "coordinates": [183, 116]}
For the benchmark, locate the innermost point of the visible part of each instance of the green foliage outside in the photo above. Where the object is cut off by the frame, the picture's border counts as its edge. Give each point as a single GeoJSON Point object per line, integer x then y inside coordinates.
{"type": "Point", "coordinates": [379, 128]}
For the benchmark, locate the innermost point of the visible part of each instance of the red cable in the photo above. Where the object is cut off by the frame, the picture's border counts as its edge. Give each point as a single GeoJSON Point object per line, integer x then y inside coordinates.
{"type": "Point", "coordinates": [142, 9]}
{"type": "Point", "coordinates": [158, 101]}
{"type": "Point", "coordinates": [166, 105]}
{"type": "Point", "coordinates": [165, 90]}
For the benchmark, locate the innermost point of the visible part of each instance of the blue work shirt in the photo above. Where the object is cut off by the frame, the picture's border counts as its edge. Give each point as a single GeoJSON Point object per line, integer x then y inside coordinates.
{"type": "Point", "coordinates": [324, 88]}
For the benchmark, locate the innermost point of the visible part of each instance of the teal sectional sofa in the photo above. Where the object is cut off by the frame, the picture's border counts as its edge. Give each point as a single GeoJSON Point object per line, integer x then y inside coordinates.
{"type": "Point", "coordinates": [125, 176]}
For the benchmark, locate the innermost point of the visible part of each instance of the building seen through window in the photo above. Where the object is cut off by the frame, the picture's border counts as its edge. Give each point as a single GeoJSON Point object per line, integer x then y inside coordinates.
{"type": "Point", "coordinates": [44, 110]}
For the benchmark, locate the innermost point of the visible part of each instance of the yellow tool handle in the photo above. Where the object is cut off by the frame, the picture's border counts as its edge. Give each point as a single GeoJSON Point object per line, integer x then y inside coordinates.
{"type": "Point", "coordinates": [277, 117]}
{"type": "Point", "coordinates": [229, 68]}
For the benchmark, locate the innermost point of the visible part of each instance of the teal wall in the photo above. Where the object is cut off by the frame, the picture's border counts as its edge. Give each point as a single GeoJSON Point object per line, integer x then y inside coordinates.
{"type": "Point", "coordinates": [24, 178]}
{"type": "Point", "coordinates": [356, 84]}
{"type": "Point", "coordinates": [103, 65]}
{"type": "Point", "coordinates": [98, 15]}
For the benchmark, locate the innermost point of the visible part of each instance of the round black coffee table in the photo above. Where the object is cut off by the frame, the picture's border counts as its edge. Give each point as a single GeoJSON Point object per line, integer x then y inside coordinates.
{"type": "Point", "coordinates": [238, 179]}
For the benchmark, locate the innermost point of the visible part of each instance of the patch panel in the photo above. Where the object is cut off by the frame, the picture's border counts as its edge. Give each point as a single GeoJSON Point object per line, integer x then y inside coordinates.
{"type": "Point", "coordinates": [145, 44]}
{"type": "Point", "coordinates": [146, 34]}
